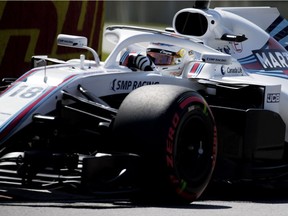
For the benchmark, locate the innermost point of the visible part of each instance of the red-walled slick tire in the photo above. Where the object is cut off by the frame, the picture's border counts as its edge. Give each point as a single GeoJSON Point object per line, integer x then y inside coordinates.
{"type": "Point", "coordinates": [173, 130]}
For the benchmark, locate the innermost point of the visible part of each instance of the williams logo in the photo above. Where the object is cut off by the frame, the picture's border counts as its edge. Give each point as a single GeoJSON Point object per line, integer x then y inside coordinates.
{"type": "Point", "coordinates": [272, 59]}
{"type": "Point", "coordinates": [117, 85]}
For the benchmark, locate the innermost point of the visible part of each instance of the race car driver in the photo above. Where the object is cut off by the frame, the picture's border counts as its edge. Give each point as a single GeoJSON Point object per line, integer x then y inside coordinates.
{"type": "Point", "coordinates": [169, 59]}
{"type": "Point", "coordinates": [165, 58]}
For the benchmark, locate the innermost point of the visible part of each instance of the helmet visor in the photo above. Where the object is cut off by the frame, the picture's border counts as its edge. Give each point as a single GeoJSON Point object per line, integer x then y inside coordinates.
{"type": "Point", "coordinates": [160, 59]}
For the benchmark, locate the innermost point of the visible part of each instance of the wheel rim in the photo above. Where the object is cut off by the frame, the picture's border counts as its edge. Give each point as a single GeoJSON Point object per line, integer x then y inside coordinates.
{"type": "Point", "coordinates": [194, 150]}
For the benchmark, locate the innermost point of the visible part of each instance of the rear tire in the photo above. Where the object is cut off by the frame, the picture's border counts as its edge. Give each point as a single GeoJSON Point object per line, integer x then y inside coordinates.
{"type": "Point", "coordinates": [173, 130]}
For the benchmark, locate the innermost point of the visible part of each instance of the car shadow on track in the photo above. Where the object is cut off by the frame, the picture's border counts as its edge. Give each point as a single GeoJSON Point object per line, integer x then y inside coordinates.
{"type": "Point", "coordinates": [108, 204]}
{"type": "Point", "coordinates": [66, 199]}
{"type": "Point", "coordinates": [257, 193]}
{"type": "Point", "coordinates": [21, 197]}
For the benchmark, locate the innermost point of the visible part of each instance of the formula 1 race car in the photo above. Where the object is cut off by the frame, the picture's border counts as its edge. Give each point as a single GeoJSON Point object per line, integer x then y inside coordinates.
{"type": "Point", "coordinates": [104, 127]}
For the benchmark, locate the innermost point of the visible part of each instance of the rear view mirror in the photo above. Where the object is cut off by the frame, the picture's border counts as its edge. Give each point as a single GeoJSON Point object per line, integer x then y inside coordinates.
{"type": "Point", "coordinates": [71, 41]}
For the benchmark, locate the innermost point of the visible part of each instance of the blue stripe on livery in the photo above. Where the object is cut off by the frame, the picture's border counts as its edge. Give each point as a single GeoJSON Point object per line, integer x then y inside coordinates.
{"type": "Point", "coordinates": [279, 31]}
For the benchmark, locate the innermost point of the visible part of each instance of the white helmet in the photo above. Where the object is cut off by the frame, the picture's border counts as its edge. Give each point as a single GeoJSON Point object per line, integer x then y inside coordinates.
{"type": "Point", "coordinates": [169, 59]}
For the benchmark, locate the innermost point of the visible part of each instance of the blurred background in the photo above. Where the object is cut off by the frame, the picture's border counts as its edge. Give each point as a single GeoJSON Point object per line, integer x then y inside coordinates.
{"type": "Point", "coordinates": [29, 28]}
{"type": "Point", "coordinates": [159, 14]}
{"type": "Point", "coordinates": [162, 12]}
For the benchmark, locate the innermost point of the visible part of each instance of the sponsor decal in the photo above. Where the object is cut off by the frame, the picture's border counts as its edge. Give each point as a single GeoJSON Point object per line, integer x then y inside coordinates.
{"type": "Point", "coordinates": [273, 98]}
{"type": "Point", "coordinates": [212, 59]}
{"type": "Point", "coordinates": [272, 59]}
{"type": "Point", "coordinates": [225, 49]}
{"type": "Point", "coordinates": [170, 140]}
{"type": "Point", "coordinates": [163, 44]}
{"type": "Point", "coordinates": [231, 70]}
{"type": "Point", "coordinates": [165, 52]}
{"type": "Point", "coordinates": [118, 85]}
{"type": "Point", "coordinates": [237, 47]}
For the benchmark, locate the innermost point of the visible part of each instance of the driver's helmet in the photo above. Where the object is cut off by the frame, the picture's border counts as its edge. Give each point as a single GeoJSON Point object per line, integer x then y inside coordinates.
{"type": "Point", "coordinates": [169, 59]}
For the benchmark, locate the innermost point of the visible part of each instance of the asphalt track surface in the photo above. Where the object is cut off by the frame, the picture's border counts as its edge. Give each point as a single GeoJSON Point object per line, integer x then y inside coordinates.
{"type": "Point", "coordinates": [223, 200]}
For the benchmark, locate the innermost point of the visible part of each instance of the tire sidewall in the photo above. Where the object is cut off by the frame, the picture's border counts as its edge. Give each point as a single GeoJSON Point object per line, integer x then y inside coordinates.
{"type": "Point", "coordinates": [186, 108]}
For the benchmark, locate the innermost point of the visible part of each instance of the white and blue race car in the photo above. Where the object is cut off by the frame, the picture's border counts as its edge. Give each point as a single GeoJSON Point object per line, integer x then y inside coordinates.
{"type": "Point", "coordinates": [104, 127]}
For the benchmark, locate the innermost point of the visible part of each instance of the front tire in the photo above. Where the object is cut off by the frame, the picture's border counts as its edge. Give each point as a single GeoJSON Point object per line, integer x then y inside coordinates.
{"type": "Point", "coordinates": [173, 130]}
